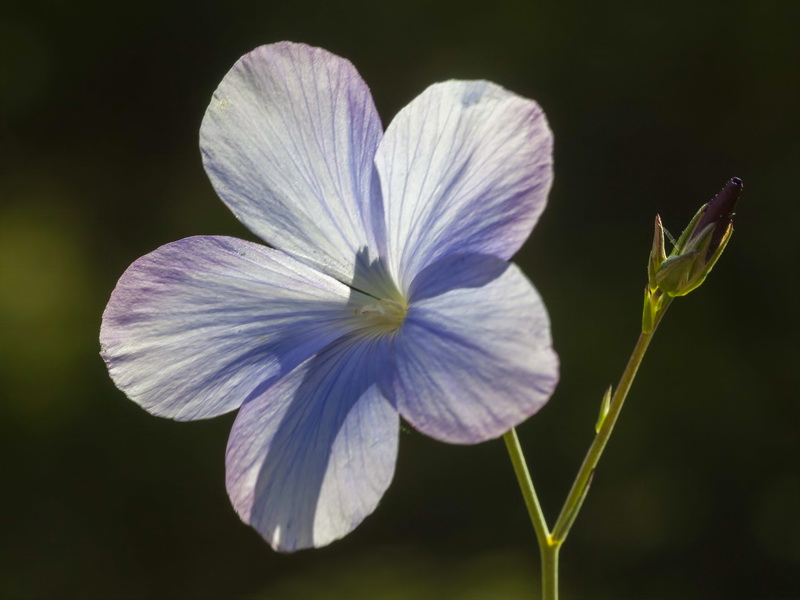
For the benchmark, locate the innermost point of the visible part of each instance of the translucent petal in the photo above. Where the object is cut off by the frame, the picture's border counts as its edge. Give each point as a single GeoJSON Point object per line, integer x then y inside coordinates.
{"type": "Point", "coordinates": [198, 326]}
{"type": "Point", "coordinates": [474, 361]}
{"type": "Point", "coordinates": [288, 142]}
{"type": "Point", "coordinates": [309, 459]}
{"type": "Point", "coordinates": [465, 168]}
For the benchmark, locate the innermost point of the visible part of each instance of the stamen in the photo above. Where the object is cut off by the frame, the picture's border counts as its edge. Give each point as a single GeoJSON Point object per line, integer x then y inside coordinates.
{"type": "Point", "coordinates": [383, 316]}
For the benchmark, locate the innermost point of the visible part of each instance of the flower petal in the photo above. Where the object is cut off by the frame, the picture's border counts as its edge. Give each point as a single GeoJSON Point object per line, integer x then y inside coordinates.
{"type": "Point", "coordinates": [288, 142]}
{"type": "Point", "coordinates": [196, 327]}
{"type": "Point", "coordinates": [465, 168]}
{"type": "Point", "coordinates": [473, 362]}
{"type": "Point", "coordinates": [312, 457]}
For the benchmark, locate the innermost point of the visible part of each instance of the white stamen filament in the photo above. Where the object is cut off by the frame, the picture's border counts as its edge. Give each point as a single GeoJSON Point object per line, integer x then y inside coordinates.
{"type": "Point", "coordinates": [384, 315]}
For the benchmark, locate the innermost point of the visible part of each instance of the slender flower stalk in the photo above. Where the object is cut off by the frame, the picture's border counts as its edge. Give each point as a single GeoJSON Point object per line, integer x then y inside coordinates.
{"type": "Point", "coordinates": [550, 542]}
{"type": "Point", "coordinates": [548, 550]}
{"type": "Point", "coordinates": [582, 481]}
{"type": "Point", "coordinates": [526, 486]}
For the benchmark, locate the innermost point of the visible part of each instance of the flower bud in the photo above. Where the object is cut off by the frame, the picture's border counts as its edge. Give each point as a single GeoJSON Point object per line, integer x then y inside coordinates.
{"type": "Point", "coordinates": [699, 247]}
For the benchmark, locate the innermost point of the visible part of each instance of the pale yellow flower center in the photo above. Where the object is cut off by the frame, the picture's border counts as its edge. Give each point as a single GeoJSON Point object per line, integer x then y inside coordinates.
{"type": "Point", "coordinates": [383, 316]}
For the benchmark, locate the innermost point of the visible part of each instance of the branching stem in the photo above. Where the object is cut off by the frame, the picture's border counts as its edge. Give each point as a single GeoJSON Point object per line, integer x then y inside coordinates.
{"type": "Point", "coordinates": [550, 543]}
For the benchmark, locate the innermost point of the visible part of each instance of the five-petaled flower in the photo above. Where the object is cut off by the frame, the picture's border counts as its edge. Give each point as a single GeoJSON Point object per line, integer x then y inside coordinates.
{"type": "Point", "coordinates": [385, 291]}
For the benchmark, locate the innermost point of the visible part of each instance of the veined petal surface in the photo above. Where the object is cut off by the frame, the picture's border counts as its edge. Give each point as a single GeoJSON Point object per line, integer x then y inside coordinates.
{"type": "Point", "coordinates": [308, 460]}
{"type": "Point", "coordinates": [464, 168]}
{"type": "Point", "coordinates": [474, 361]}
{"type": "Point", "coordinates": [288, 142]}
{"type": "Point", "coordinates": [197, 327]}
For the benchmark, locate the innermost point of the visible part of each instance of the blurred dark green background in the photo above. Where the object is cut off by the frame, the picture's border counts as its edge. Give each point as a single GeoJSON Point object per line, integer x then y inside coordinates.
{"type": "Point", "coordinates": [654, 107]}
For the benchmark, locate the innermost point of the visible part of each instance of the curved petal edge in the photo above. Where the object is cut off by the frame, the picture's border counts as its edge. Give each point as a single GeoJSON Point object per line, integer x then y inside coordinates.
{"type": "Point", "coordinates": [288, 142]}
{"type": "Point", "coordinates": [198, 326]}
{"type": "Point", "coordinates": [312, 457]}
{"type": "Point", "coordinates": [465, 168]}
{"type": "Point", "coordinates": [475, 361]}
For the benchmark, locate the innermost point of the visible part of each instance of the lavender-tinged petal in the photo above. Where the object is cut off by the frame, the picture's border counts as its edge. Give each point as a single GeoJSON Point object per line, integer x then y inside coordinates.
{"type": "Point", "coordinates": [312, 457]}
{"type": "Point", "coordinates": [198, 326]}
{"type": "Point", "coordinates": [465, 168]}
{"type": "Point", "coordinates": [473, 362]}
{"type": "Point", "coordinates": [288, 142]}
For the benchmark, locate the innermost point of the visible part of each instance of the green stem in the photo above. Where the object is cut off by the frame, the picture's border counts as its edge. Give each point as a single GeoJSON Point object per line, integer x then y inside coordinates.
{"type": "Point", "coordinates": [526, 485]}
{"type": "Point", "coordinates": [581, 484]}
{"type": "Point", "coordinates": [547, 549]}
{"type": "Point", "coordinates": [550, 571]}
{"type": "Point", "coordinates": [550, 543]}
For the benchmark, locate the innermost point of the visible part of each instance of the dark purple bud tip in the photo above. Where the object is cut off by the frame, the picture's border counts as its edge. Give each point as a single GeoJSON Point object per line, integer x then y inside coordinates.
{"type": "Point", "coordinates": [720, 209]}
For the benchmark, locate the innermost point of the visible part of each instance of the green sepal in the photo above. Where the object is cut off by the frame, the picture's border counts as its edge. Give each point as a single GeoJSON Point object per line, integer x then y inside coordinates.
{"type": "Point", "coordinates": [680, 246]}
{"type": "Point", "coordinates": [657, 254]}
{"type": "Point", "coordinates": [681, 274]}
{"type": "Point", "coordinates": [673, 276]}
{"type": "Point", "coordinates": [604, 406]}
{"type": "Point", "coordinates": [718, 252]}
{"type": "Point", "coordinates": [653, 300]}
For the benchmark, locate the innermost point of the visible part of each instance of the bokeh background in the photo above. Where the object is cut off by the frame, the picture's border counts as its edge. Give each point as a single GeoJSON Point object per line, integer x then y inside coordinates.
{"type": "Point", "coordinates": [654, 106]}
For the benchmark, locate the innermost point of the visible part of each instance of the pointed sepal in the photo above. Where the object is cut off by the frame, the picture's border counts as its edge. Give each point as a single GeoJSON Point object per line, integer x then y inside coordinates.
{"type": "Point", "coordinates": [657, 254]}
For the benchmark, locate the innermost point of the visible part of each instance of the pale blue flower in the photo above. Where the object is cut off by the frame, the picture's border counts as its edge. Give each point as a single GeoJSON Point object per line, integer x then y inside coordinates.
{"type": "Point", "coordinates": [385, 290]}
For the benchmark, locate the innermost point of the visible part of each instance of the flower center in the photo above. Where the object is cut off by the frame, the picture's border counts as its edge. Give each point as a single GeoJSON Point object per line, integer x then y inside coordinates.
{"type": "Point", "coordinates": [383, 316]}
